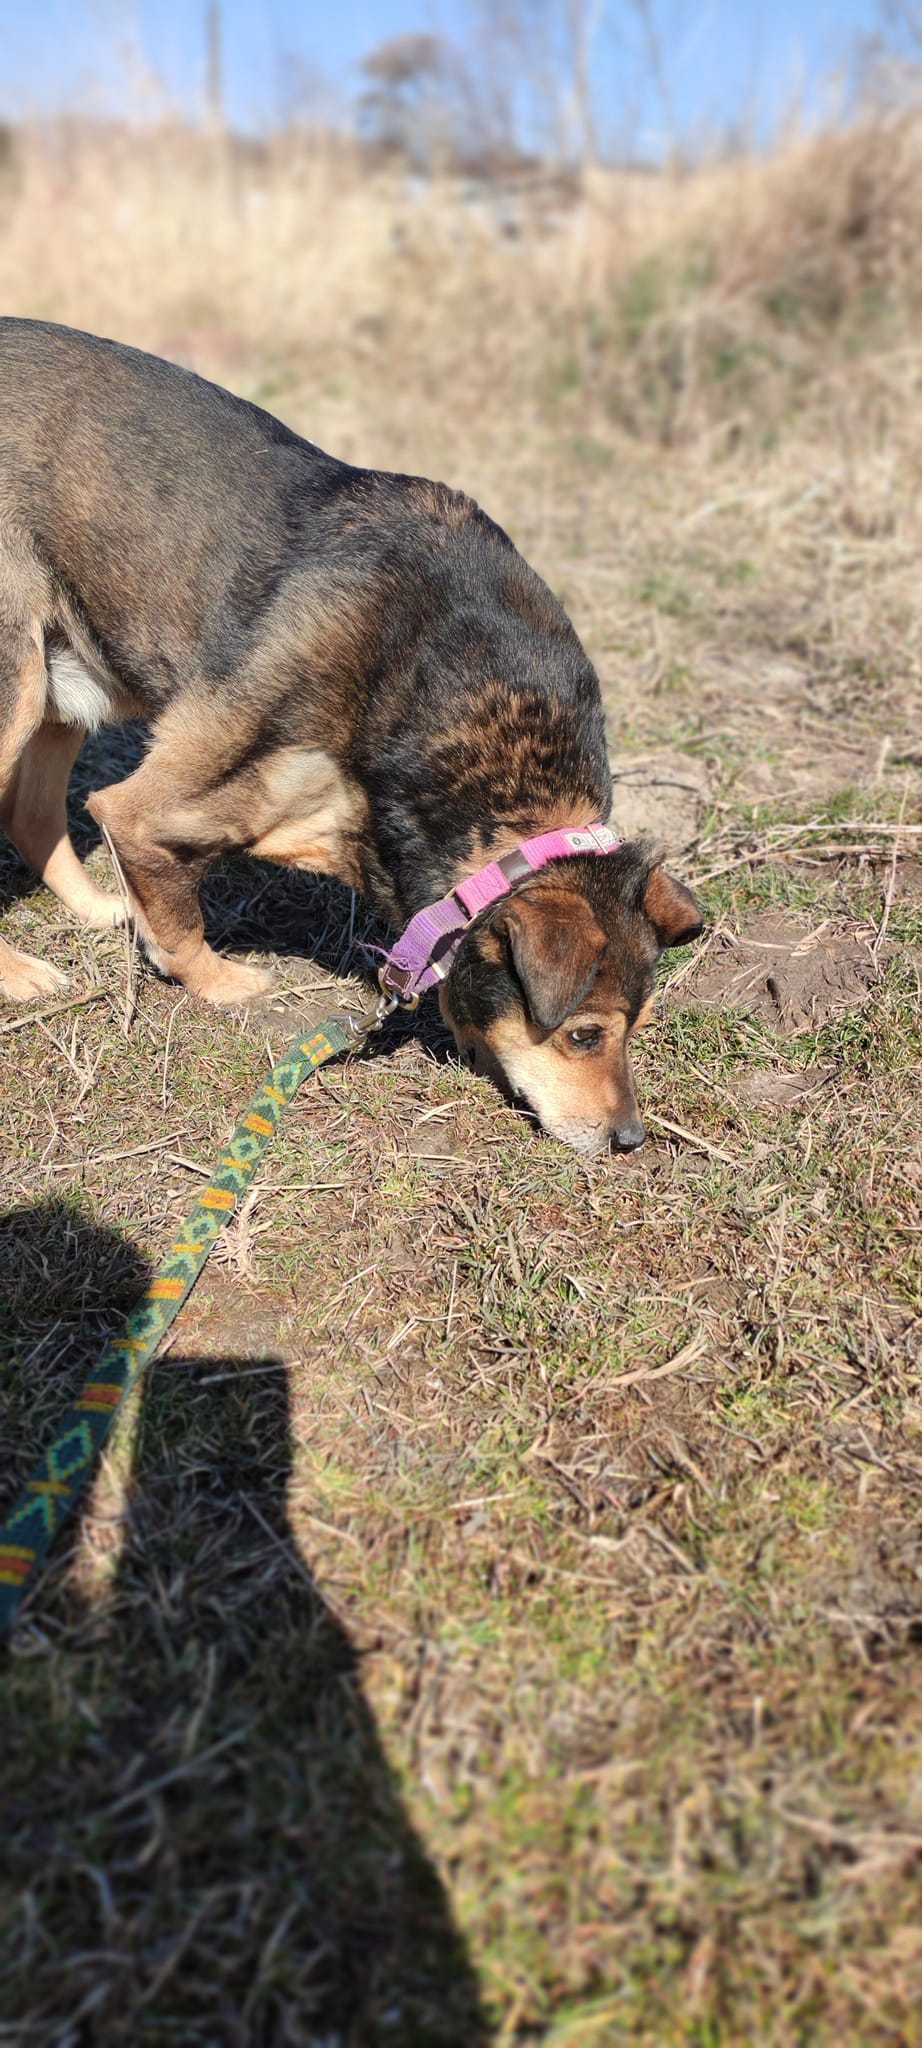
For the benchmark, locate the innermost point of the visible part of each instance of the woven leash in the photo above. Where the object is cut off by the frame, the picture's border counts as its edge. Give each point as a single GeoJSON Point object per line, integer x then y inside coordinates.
{"type": "Point", "coordinates": [59, 1480]}
{"type": "Point", "coordinates": [420, 957]}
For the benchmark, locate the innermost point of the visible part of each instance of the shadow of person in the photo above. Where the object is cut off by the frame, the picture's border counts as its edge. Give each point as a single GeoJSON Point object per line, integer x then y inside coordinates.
{"type": "Point", "coordinates": [203, 1839]}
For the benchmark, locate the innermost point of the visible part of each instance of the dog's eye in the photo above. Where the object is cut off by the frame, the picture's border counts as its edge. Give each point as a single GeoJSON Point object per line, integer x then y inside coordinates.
{"type": "Point", "coordinates": [586, 1037]}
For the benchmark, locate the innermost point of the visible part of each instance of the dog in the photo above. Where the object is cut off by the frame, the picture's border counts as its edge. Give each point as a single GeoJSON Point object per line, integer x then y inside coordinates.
{"type": "Point", "coordinates": [341, 669]}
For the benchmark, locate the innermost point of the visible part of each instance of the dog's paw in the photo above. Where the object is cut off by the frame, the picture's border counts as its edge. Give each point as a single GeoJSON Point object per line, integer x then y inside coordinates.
{"type": "Point", "coordinates": [24, 980]}
{"type": "Point", "coordinates": [229, 982]}
{"type": "Point", "coordinates": [99, 911]}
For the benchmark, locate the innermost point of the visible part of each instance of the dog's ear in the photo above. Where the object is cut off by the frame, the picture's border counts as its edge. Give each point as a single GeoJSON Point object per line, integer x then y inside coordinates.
{"type": "Point", "coordinates": [556, 948]}
{"type": "Point", "coordinates": [672, 910]}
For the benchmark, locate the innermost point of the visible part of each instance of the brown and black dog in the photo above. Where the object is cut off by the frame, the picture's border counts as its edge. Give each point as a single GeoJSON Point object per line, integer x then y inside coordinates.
{"type": "Point", "coordinates": [341, 669]}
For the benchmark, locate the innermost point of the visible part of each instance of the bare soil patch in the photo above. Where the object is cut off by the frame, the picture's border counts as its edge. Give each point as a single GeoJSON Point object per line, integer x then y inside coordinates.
{"type": "Point", "coordinates": [788, 971]}
{"type": "Point", "coordinates": [779, 1088]}
{"type": "Point", "coordinates": [664, 794]}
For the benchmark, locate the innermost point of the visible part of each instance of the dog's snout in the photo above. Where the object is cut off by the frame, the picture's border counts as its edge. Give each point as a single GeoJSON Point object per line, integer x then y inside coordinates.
{"type": "Point", "coordinates": [629, 1135]}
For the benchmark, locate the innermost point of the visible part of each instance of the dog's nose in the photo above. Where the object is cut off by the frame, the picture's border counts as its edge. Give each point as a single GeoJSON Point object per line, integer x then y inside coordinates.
{"type": "Point", "coordinates": [629, 1135]}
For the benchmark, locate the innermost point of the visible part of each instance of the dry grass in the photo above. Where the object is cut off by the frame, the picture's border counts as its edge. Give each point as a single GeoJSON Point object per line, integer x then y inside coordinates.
{"type": "Point", "coordinates": [725, 303]}
{"type": "Point", "coordinates": [500, 1618]}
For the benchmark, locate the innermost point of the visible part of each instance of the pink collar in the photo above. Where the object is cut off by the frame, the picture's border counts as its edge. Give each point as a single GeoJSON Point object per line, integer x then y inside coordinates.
{"type": "Point", "coordinates": [425, 950]}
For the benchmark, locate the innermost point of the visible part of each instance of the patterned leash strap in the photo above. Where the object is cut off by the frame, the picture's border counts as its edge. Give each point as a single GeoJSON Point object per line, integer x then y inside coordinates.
{"type": "Point", "coordinates": [59, 1480]}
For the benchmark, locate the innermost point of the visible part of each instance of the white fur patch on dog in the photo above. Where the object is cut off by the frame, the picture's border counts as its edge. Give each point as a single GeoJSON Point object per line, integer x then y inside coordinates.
{"type": "Point", "coordinates": [76, 697]}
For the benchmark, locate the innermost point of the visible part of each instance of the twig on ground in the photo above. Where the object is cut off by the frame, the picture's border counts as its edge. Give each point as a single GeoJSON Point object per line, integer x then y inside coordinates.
{"type": "Point", "coordinates": [891, 883]}
{"type": "Point", "coordinates": [686, 1356]}
{"type": "Point", "coordinates": [755, 857]}
{"type": "Point", "coordinates": [693, 962]}
{"type": "Point", "coordinates": [183, 1770]}
{"type": "Point", "coordinates": [777, 846]}
{"type": "Point", "coordinates": [826, 1831]}
{"type": "Point", "coordinates": [108, 1158]}
{"type": "Point", "coordinates": [813, 855]}
{"type": "Point", "coordinates": [292, 1558]}
{"type": "Point", "coordinates": [692, 1138]}
{"type": "Point", "coordinates": [53, 1010]}
{"type": "Point", "coordinates": [166, 1050]}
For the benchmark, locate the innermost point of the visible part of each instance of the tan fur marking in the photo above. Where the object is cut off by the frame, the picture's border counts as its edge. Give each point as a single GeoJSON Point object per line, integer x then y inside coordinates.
{"type": "Point", "coordinates": [24, 980]}
{"type": "Point", "coordinates": [140, 819]}
{"type": "Point", "coordinates": [34, 816]}
{"type": "Point", "coordinates": [327, 633]}
{"type": "Point", "coordinates": [517, 731]}
{"type": "Point", "coordinates": [296, 807]}
{"type": "Point", "coordinates": [447, 507]}
{"type": "Point", "coordinates": [578, 1098]}
{"type": "Point", "coordinates": [28, 709]}
{"type": "Point", "coordinates": [530, 598]}
{"type": "Point", "coordinates": [311, 815]}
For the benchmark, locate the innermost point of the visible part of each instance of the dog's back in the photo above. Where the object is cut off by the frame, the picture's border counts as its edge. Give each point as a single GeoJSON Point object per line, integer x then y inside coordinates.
{"type": "Point", "coordinates": [147, 494]}
{"type": "Point", "coordinates": [162, 517]}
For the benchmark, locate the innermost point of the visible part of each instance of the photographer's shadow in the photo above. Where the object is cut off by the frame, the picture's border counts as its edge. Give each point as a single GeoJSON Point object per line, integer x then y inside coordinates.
{"type": "Point", "coordinates": [204, 1841]}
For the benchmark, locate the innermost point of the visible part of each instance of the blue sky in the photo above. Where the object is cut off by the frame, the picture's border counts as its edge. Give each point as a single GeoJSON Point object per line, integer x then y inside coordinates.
{"type": "Point", "coordinates": [719, 56]}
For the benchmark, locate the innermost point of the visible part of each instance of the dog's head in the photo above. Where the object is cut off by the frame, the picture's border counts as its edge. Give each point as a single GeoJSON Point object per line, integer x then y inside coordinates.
{"type": "Point", "coordinates": [548, 989]}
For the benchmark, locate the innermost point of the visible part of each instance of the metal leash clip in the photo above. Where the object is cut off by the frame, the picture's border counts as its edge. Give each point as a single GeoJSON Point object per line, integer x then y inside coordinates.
{"type": "Point", "coordinates": [373, 1019]}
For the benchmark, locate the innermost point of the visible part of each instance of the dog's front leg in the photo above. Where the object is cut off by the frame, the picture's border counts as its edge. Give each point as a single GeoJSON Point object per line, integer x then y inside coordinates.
{"type": "Point", "coordinates": [164, 851]}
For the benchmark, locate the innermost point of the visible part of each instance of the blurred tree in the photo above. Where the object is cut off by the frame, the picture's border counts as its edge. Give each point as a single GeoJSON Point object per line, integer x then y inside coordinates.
{"type": "Point", "coordinates": [887, 63]}
{"type": "Point", "coordinates": [408, 105]}
{"type": "Point", "coordinates": [7, 150]}
{"type": "Point", "coordinates": [657, 70]}
{"type": "Point", "coordinates": [890, 60]}
{"type": "Point", "coordinates": [529, 81]}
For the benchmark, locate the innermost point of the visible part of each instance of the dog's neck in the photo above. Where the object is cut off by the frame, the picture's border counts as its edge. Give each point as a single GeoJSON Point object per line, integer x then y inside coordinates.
{"type": "Point", "coordinates": [431, 871]}
{"type": "Point", "coordinates": [496, 742]}
{"type": "Point", "coordinates": [576, 811]}
{"type": "Point", "coordinates": [443, 803]}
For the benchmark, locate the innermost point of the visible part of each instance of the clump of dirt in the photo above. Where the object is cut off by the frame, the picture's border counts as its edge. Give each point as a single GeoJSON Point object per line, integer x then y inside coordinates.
{"type": "Point", "coordinates": [664, 794]}
{"type": "Point", "coordinates": [786, 973]}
